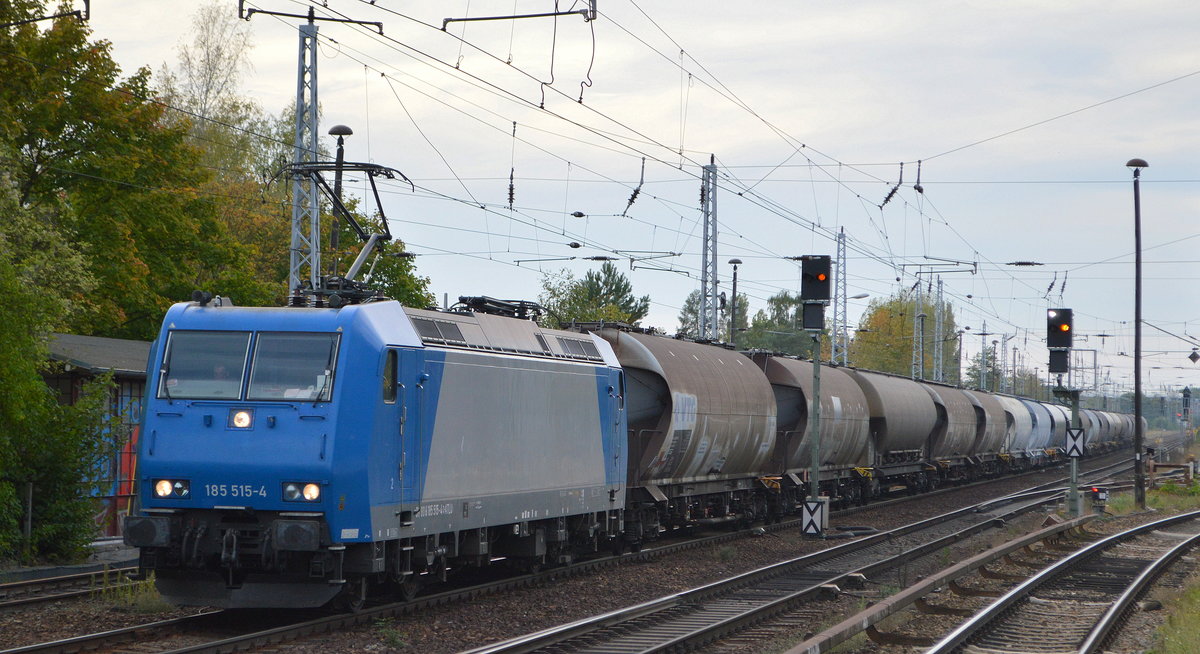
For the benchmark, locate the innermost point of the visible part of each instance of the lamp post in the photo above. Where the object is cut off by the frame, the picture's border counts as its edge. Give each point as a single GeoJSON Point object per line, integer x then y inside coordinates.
{"type": "Point", "coordinates": [958, 366]}
{"type": "Point", "coordinates": [341, 132]}
{"type": "Point", "coordinates": [733, 305]}
{"type": "Point", "coordinates": [1139, 477]}
{"type": "Point", "coordinates": [921, 348]}
{"type": "Point", "coordinates": [997, 353]}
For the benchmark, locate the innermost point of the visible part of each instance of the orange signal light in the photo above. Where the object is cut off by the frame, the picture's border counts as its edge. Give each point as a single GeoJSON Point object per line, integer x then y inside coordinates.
{"type": "Point", "coordinates": [821, 277]}
{"type": "Point", "coordinates": [1064, 327]}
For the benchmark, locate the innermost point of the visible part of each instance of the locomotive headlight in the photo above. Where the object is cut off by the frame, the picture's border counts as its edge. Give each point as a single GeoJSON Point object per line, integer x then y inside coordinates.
{"type": "Point", "coordinates": [241, 418]}
{"type": "Point", "coordinates": [172, 488]}
{"type": "Point", "coordinates": [294, 491]}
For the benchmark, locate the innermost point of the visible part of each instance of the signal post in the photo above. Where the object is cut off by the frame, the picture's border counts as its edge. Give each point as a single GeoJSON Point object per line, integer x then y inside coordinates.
{"type": "Point", "coordinates": [815, 293]}
{"type": "Point", "coordinates": [1059, 332]}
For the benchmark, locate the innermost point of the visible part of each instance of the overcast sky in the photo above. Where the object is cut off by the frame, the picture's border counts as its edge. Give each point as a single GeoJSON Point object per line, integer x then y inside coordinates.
{"type": "Point", "coordinates": [1022, 115]}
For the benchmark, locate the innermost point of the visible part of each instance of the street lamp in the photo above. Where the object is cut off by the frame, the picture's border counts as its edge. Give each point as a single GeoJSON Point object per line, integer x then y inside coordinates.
{"type": "Point", "coordinates": [1139, 478]}
{"type": "Point", "coordinates": [733, 305]}
{"type": "Point", "coordinates": [958, 367]}
{"type": "Point", "coordinates": [995, 353]}
{"type": "Point", "coordinates": [341, 132]}
{"type": "Point", "coordinates": [921, 347]}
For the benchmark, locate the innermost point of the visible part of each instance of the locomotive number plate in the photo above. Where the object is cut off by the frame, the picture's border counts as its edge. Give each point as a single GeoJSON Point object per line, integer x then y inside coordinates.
{"type": "Point", "coordinates": [235, 490]}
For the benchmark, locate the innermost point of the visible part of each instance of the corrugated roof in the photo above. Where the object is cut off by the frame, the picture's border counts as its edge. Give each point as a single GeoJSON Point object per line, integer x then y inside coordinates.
{"type": "Point", "coordinates": [97, 354]}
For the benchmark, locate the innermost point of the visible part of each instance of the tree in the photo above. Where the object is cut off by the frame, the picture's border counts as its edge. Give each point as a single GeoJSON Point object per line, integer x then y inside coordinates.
{"type": "Point", "coordinates": [392, 271]}
{"type": "Point", "coordinates": [779, 328]}
{"type": "Point", "coordinates": [992, 381]}
{"type": "Point", "coordinates": [210, 68]}
{"type": "Point", "coordinates": [44, 447]}
{"type": "Point", "coordinates": [884, 339]}
{"type": "Point", "coordinates": [605, 295]}
{"type": "Point", "coordinates": [689, 317]}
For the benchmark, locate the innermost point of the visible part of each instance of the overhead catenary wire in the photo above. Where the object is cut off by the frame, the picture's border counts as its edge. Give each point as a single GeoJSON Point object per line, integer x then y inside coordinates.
{"type": "Point", "coordinates": [752, 186]}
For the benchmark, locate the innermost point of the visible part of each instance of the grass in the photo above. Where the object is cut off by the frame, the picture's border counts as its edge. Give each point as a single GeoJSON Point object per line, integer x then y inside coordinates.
{"type": "Point", "coordinates": [392, 637]}
{"type": "Point", "coordinates": [726, 553]}
{"type": "Point", "coordinates": [1180, 634]}
{"type": "Point", "coordinates": [1170, 497]}
{"type": "Point", "coordinates": [134, 597]}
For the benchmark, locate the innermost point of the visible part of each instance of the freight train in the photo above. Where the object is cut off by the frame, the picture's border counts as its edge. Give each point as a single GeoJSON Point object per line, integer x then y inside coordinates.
{"type": "Point", "coordinates": [297, 456]}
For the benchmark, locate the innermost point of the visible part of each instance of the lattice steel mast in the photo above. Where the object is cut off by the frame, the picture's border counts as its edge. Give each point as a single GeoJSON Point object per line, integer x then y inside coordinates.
{"type": "Point", "coordinates": [841, 331]}
{"type": "Point", "coordinates": [708, 326]}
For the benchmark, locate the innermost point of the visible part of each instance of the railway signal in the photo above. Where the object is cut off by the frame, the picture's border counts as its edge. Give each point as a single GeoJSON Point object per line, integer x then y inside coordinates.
{"type": "Point", "coordinates": [1099, 497]}
{"type": "Point", "coordinates": [1059, 328]}
{"type": "Point", "coordinates": [815, 277]}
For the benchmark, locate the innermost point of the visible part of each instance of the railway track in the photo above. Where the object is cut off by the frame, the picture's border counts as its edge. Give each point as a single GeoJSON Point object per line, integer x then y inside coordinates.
{"type": "Point", "coordinates": [1076, 604]}
{"type": "Point", "coordinates": [693, 618]}
{"type": "Point", "coordinates": [17, 594]}
{"type": "Point", "coordinates": [212, 633]}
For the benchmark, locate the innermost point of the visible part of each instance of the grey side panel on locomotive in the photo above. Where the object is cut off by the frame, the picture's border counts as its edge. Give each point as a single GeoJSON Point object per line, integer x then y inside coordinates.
{"type": "Point", "coordinates": [516, 438]}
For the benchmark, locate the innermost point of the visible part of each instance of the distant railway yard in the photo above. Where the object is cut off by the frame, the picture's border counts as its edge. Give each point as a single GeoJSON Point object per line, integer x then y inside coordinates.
{"type": "Point", "coordinates": [907, 571]}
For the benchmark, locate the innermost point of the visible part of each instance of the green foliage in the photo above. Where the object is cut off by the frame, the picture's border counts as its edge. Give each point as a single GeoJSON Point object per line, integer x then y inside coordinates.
{"type": "Point", "coordinates": [605, 295]}
{"type": "Point", "coordinates": [393, 275]}
{"type": "Point", "coordinates": [780, 328]}
{"type": "Point", "coordinates": [65, 464]}
{"type": "Point", "coordinates": [689, 317]}
{"type": "Point", "coordinates": [1181, 632]}
{"type": "Point", "coordinates": [115, 207]}
{"type": "Point", "coordinates": [392, 636]}
{"type": "Point", "coordinates": [51, 446]}
{"type": "Point", "coordinates": [1172, 488]}
{"type": "Point", "coordinates": [155, 202]}
{"type": "Point", "coordinates": [726, 553]}
{"type": "Point", "coordinates": [884, 338]}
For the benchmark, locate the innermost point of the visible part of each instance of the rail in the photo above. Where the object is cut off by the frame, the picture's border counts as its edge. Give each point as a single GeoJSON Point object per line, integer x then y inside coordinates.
{"type": "Point", "coordinates": [994, 612]}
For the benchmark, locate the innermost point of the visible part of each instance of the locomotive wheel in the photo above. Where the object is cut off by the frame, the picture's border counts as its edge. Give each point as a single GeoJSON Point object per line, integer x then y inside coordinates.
{"type": "Point", "coordinates": [354, 595]}
{"type": "Point", "coordinates": [409, 588]}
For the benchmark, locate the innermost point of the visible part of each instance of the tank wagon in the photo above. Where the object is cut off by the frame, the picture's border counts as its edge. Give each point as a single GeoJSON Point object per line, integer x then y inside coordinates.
{"type": "Point", "coordinates": [295, 456]}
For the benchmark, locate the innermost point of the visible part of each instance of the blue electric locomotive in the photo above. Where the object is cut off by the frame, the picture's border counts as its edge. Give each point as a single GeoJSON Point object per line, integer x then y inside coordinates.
{"type": "Point", "coordinates": [296, 455]}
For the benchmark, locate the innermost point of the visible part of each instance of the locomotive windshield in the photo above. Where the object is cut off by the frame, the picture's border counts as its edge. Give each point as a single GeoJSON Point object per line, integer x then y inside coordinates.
{"type": "Point", "coordinates": [204, 365]}
{"type": "Point", "coordinates": [293, 366]}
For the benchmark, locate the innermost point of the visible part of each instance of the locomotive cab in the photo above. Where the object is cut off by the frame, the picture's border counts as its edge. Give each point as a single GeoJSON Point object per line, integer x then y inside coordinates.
{"type": "Point", "coordinates": [242, 503]}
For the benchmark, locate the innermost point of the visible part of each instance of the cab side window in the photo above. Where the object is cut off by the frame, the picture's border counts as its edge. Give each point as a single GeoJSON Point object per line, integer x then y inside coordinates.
{"type": "Point", "coordinates": [389, 377]}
